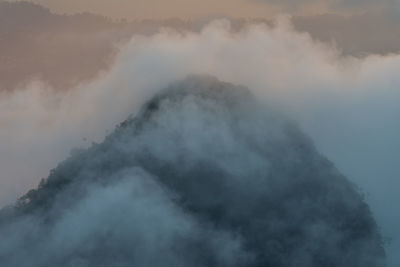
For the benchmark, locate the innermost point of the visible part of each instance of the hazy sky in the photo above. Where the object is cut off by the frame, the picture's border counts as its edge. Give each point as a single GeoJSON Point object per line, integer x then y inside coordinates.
{"type": "Point", "coordinates": [138, 9]}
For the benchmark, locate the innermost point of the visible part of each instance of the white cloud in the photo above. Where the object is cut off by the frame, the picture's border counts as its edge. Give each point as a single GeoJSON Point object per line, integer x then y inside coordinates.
{"type": "Point", "coordinates": [349, 106]}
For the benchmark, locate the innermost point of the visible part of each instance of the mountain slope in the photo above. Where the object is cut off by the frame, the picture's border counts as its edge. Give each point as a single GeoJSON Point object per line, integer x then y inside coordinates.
{"type": "Point", "coordinates": [204, 175]}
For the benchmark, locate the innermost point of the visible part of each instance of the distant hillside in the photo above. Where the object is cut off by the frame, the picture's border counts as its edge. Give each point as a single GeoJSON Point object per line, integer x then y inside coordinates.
{"type": "Point", "coordinates": [60, 50]}
{"type": "Point", "coordinates": [358, 35]}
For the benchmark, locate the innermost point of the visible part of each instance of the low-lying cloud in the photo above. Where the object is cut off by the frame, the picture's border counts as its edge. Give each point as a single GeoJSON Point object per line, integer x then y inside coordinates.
{"type": "Point", "coordinates": [203, 175]}
{"type": "Point", "coordinates": [64, 51]}
{"type": "Point", "coordinates": [348, 105]}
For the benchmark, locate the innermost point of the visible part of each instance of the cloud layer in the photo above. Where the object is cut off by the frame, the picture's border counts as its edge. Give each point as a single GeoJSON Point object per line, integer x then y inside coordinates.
{"type": "Point", "coordinates": [64, 51]}
{"type": "Point", "coordinates": [204, 175]}
{"type": "Point", "coordinates": [347, 105]}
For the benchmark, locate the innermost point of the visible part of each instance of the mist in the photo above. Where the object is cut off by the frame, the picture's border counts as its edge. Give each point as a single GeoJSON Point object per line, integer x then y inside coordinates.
{"type": "Point", "coordinates": [205, 175]}
{"type": "Point", "coordinates": [347, 105]}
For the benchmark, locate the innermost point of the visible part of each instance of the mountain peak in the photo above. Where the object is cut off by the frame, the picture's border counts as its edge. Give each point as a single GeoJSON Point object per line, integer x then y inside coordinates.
{"type": "Point", "coordinates": [202, 176]}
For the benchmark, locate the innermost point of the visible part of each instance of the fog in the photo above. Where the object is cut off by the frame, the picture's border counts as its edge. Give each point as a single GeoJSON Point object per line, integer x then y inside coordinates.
{"type": "Point", "coordinates": [203, 175]}
{"type": "Point", "coordinates": [347, 105]}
